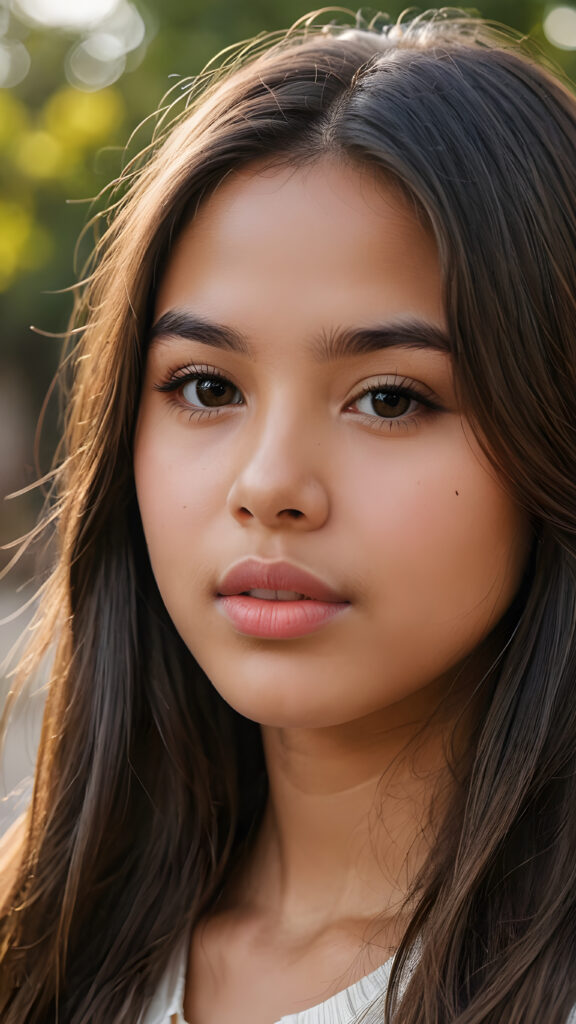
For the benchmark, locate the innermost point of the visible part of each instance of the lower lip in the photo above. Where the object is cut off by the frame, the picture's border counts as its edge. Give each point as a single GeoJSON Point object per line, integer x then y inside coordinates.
{"type": "Point", "coordinates": [279, 620]}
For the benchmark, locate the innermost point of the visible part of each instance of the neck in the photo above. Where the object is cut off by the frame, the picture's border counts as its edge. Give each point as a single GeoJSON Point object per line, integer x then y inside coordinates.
{"type": "Point", "coordinates": [348, 823]}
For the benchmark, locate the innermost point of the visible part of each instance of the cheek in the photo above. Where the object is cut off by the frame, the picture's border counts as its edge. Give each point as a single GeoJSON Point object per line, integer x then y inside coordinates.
{"type": "Point", "coordinates": [449, 541]}
{"type": "Point", "coordinates": [176, 497]}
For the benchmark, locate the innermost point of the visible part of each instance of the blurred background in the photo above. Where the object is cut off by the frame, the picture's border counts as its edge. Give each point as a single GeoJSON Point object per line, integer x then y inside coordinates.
{"type": "Point", "coordinates": [77, 78]}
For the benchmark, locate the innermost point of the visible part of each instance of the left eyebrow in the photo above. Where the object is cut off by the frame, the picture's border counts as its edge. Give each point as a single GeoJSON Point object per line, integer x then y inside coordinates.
{"type": "Point", "coordinates": [415, 334]}
{"type": "Point", "coordinates": [328, 347]}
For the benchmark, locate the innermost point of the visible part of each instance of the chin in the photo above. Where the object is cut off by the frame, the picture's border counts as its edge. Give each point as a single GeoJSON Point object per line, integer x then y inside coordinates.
{"type": "Point", "coordinates": [282, 705]}
{"type": "Point", "coordinates": [306, 704]}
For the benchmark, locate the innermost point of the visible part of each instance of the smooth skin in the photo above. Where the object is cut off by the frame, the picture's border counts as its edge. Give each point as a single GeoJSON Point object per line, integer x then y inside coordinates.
{"type": "Point", "coordinates": [363, 470]}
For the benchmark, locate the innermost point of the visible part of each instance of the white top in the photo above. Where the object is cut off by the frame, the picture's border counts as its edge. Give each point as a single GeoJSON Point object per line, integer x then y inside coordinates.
{"type": "Point", "coordinates": [365, 998]}
{"type": "Point", "coordinates": [167, 1007]}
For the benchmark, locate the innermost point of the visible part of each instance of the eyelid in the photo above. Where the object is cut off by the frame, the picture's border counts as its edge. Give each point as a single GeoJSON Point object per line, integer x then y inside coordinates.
{"type": "Point", "coordinates": [179, 375]}
{"type": "Point", "coordinates": [394, 382]}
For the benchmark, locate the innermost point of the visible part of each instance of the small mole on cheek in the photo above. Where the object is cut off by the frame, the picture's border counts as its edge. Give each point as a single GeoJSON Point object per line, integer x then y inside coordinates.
{"type": "Point", "coordinates": [456, 493]}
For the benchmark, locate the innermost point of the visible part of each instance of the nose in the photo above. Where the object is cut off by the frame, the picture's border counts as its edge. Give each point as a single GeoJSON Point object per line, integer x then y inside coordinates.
{"type": "Point", "coordinates": [280, 484]}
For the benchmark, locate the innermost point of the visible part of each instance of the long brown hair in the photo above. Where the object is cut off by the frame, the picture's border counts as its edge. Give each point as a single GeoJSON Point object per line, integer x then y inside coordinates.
{"type": "Point", "coordinates": [148, 785]}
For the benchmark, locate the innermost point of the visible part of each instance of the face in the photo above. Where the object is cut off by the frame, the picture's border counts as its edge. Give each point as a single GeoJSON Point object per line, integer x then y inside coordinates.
{"type": "Point", "coordinates": [324, 530]}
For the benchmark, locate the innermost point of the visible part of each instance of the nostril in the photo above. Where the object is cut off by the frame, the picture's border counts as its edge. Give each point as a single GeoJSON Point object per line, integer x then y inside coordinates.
{"type": "Point", "coordinates": [293, 513]}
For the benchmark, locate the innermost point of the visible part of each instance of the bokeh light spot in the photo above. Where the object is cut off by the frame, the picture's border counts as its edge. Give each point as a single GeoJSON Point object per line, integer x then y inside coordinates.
{"type": "Point", "coordinates": [14, 118]}
{"type": "Point", "coordinates": [73, 14]}
{"type": "Point", "coordinates": [39, 155]}
{"type": "Point", "coordinates": [127, 25]}
{"type": "Point", "coordinates": [103, 46]}
{"type": "Point", "coordinates": [560, 27]}
{"type": "Point", "coordinates": [87, 72]}
{"type": "Point", "coordinates": [14, 62]}
{"type": "Point", "coordinates": [4, 20]}
{"type": "Point", "coordinates": [84, 119]}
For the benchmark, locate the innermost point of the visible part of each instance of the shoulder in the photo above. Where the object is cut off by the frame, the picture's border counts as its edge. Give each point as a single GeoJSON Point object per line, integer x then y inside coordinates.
{"type": "Point", "coordinates": [11, 848]}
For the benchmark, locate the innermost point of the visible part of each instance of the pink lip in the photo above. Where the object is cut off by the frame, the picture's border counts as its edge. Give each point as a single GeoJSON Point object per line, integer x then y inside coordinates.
{"type": "Point", "coordinates": [253, 574]}
{"type": "Point", "coordinates": [277, 619]}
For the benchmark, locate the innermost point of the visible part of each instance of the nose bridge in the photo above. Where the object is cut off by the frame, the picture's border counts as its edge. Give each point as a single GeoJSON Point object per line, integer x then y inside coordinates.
{"type": "Point", "coordinates": [281, 470]}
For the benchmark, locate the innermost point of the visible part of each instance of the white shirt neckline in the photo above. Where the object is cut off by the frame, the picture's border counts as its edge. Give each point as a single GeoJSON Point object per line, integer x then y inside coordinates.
{"type": "Point", "coordinates": [167, 1006]}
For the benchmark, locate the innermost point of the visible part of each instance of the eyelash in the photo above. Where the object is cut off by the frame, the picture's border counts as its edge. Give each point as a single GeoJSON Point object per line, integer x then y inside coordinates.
{"type": "Point", "coordinates": [400, 387]}
{"type": "Point", "coordinates": [178, 378]}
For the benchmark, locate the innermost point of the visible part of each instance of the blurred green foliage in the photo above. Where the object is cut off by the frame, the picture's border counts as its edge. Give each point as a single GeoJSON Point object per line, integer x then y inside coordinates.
{"type": "Point", "coordinates": [59, 146]}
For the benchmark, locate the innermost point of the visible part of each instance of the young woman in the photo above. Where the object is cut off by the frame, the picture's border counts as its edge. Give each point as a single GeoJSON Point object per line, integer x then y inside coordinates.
{"type": "Point", "coordinates": [309, 749]}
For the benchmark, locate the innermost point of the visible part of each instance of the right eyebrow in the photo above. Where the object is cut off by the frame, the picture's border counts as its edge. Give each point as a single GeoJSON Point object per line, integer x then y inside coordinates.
{"type": "Point", "coordinates": [181, 323]}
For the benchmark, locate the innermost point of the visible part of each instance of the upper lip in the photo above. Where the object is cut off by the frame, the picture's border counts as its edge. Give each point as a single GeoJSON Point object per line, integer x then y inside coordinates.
{"type": "Point", "coordinates": [253, 574]}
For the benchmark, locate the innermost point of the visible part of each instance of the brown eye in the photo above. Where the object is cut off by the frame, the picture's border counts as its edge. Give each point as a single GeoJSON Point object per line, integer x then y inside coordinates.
{"type": "Point", "coordinates": [210, 392]}
{"type": "Point", "coordinates": [389, 404]}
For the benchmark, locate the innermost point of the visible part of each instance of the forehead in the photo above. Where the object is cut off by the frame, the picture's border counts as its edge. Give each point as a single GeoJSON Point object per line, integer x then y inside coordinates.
{"type": "Point", "coordinates": [327, 243]}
